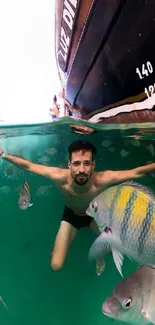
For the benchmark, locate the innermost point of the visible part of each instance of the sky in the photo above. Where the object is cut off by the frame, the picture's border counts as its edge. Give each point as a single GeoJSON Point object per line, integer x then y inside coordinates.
{"type": "Point", "coordinates": [28, 74]}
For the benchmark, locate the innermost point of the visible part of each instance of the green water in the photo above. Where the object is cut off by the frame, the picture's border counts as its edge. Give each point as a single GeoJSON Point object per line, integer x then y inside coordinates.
{"type": "Point", "coordinates": [33, 293]}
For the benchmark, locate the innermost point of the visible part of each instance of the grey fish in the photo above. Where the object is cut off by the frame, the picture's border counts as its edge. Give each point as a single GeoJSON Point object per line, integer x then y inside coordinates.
{"type": "Point", "coordinates": [151, 149]}
{"type": "Point", "coordinates": [124, 153]}
{"type": "Point", "coordinates": [133, 299]}
{"type": "Point", "coordinates": [51, 151]}
{"type": "Point", "coordinates": [25, 198]}
{"type": "Point", "coordinates": [5, 189]}
{"type": "Point", "coordinates": [125, 215]}
{"type": "Point", "coordinates": [45, 190]}
{"type": "Point", "coordinates": [106, 143]}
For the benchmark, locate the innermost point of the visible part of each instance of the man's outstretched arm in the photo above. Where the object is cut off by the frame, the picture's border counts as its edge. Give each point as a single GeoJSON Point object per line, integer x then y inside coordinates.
{"type": "Point", "coordinates": [53, 173]}
{"type": "Point", "coordinates": [123, 175]}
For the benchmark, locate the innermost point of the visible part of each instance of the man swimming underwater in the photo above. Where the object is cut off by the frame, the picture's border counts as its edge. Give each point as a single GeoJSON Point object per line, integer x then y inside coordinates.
{"type": "Point", "coordinates": [80, 184]}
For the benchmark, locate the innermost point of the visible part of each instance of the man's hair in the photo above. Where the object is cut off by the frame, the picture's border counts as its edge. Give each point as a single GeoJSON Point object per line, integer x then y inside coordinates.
{"type": "Point", "coordinates": [81, 145]}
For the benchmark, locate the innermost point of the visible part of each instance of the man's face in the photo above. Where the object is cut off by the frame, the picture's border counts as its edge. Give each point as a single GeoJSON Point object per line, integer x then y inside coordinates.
{"type": "Point", "coordinates": [81, 166]}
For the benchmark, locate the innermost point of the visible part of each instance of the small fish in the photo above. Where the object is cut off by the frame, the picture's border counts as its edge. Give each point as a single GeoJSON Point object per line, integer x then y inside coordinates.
{"type": "Point", "coordinates": [51, 151]}
{"type": "Point", "coordinates": [44, 160]}
{"type": "Point", "coordinates": [151, 149]}
{"type": "Point", "coordinates": [106, 143]}
{"type": "Point", "coordinates": [44, 190]}
{"type": "Point", "coordinates": [124, 153]}
{"type": "Point", "coordinates": [125, 215]}
{"type": "Point", "coordinates": [111, 149]}
{"type": "Point", "coordinates": [24, 198]}
{"type": "Point", "coordinates": [135, 142]}
{"type": "Point", "coordinates": [5, 189]}
{"type": "Point", "coordinates": [11, 172]}
{"type": "Point", "coordinates": [133, 299]}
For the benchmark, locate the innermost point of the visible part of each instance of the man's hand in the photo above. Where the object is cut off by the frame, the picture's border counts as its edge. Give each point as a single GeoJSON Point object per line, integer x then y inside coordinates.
{"type": "Point", "coordinates": [2, 154]}
{"type": "Point", "coordinates": [1, 151]}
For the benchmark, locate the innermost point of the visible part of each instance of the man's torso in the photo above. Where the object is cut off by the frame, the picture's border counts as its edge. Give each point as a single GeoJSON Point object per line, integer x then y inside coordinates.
{"type": "Point", "coordinates": [79, 201]}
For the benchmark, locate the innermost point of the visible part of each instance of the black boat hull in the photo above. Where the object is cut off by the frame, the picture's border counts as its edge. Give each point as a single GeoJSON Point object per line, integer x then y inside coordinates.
{"type": "Point", "coordinates": [105, 52]}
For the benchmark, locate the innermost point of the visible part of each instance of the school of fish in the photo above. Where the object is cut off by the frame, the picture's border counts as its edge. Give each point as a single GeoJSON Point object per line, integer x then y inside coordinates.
{"type": "Point", "coordinates": [125, 215]}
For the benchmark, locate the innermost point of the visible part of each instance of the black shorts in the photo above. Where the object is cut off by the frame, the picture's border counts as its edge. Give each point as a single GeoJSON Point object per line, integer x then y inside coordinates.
{"type": "Point", "coordinates": [75, 220]}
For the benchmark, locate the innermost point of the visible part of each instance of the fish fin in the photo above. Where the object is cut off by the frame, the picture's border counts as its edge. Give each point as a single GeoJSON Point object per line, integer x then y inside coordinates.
{"type": "Point", "coordinates": [139, 186]}
{"type": "Point", "coordinates": [30, 205]}
{"type": "Point", "coordinates": [99, 248]}
{"type": "Point", "coordinates": [148, 316]}
{"type": "Point", "coordinates": [118, 259]}
{"type": "Point", "coordinates": [2, 301]}
{"type": "Point", "coordinates": [152, 266]}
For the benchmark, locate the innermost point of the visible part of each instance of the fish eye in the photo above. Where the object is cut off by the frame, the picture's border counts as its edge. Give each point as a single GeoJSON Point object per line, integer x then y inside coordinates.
{"type": "Point", "coordinates": [127, 303]}
{"type": "Point", "coordinates": [94, 206]}
{"type": "Point", "coordinates": [24, 202]}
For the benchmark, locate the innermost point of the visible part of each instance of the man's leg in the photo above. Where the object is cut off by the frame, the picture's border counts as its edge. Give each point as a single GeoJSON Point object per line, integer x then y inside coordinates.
{"type": "Point", "coordinates": [100, 264]}
{"type": "Point", "coordinates": [64, 238]}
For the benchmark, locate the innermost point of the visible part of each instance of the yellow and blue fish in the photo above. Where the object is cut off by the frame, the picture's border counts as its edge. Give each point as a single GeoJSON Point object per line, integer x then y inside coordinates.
{"type": "Point", "coordinates": [125, 215]}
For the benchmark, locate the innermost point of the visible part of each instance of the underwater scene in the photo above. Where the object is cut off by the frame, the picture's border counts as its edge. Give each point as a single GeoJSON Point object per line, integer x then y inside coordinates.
{"type": "Point", "coordinates": [30, 291]}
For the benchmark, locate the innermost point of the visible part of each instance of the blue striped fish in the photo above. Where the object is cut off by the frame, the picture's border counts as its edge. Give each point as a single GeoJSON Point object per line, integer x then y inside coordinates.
{"type": "Point", "coordinates": [125, 215]}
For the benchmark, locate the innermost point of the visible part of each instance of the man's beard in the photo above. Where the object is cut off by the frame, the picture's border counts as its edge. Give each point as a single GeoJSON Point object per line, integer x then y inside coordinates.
{"type": "Point", "coordinates": [81, 179]}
